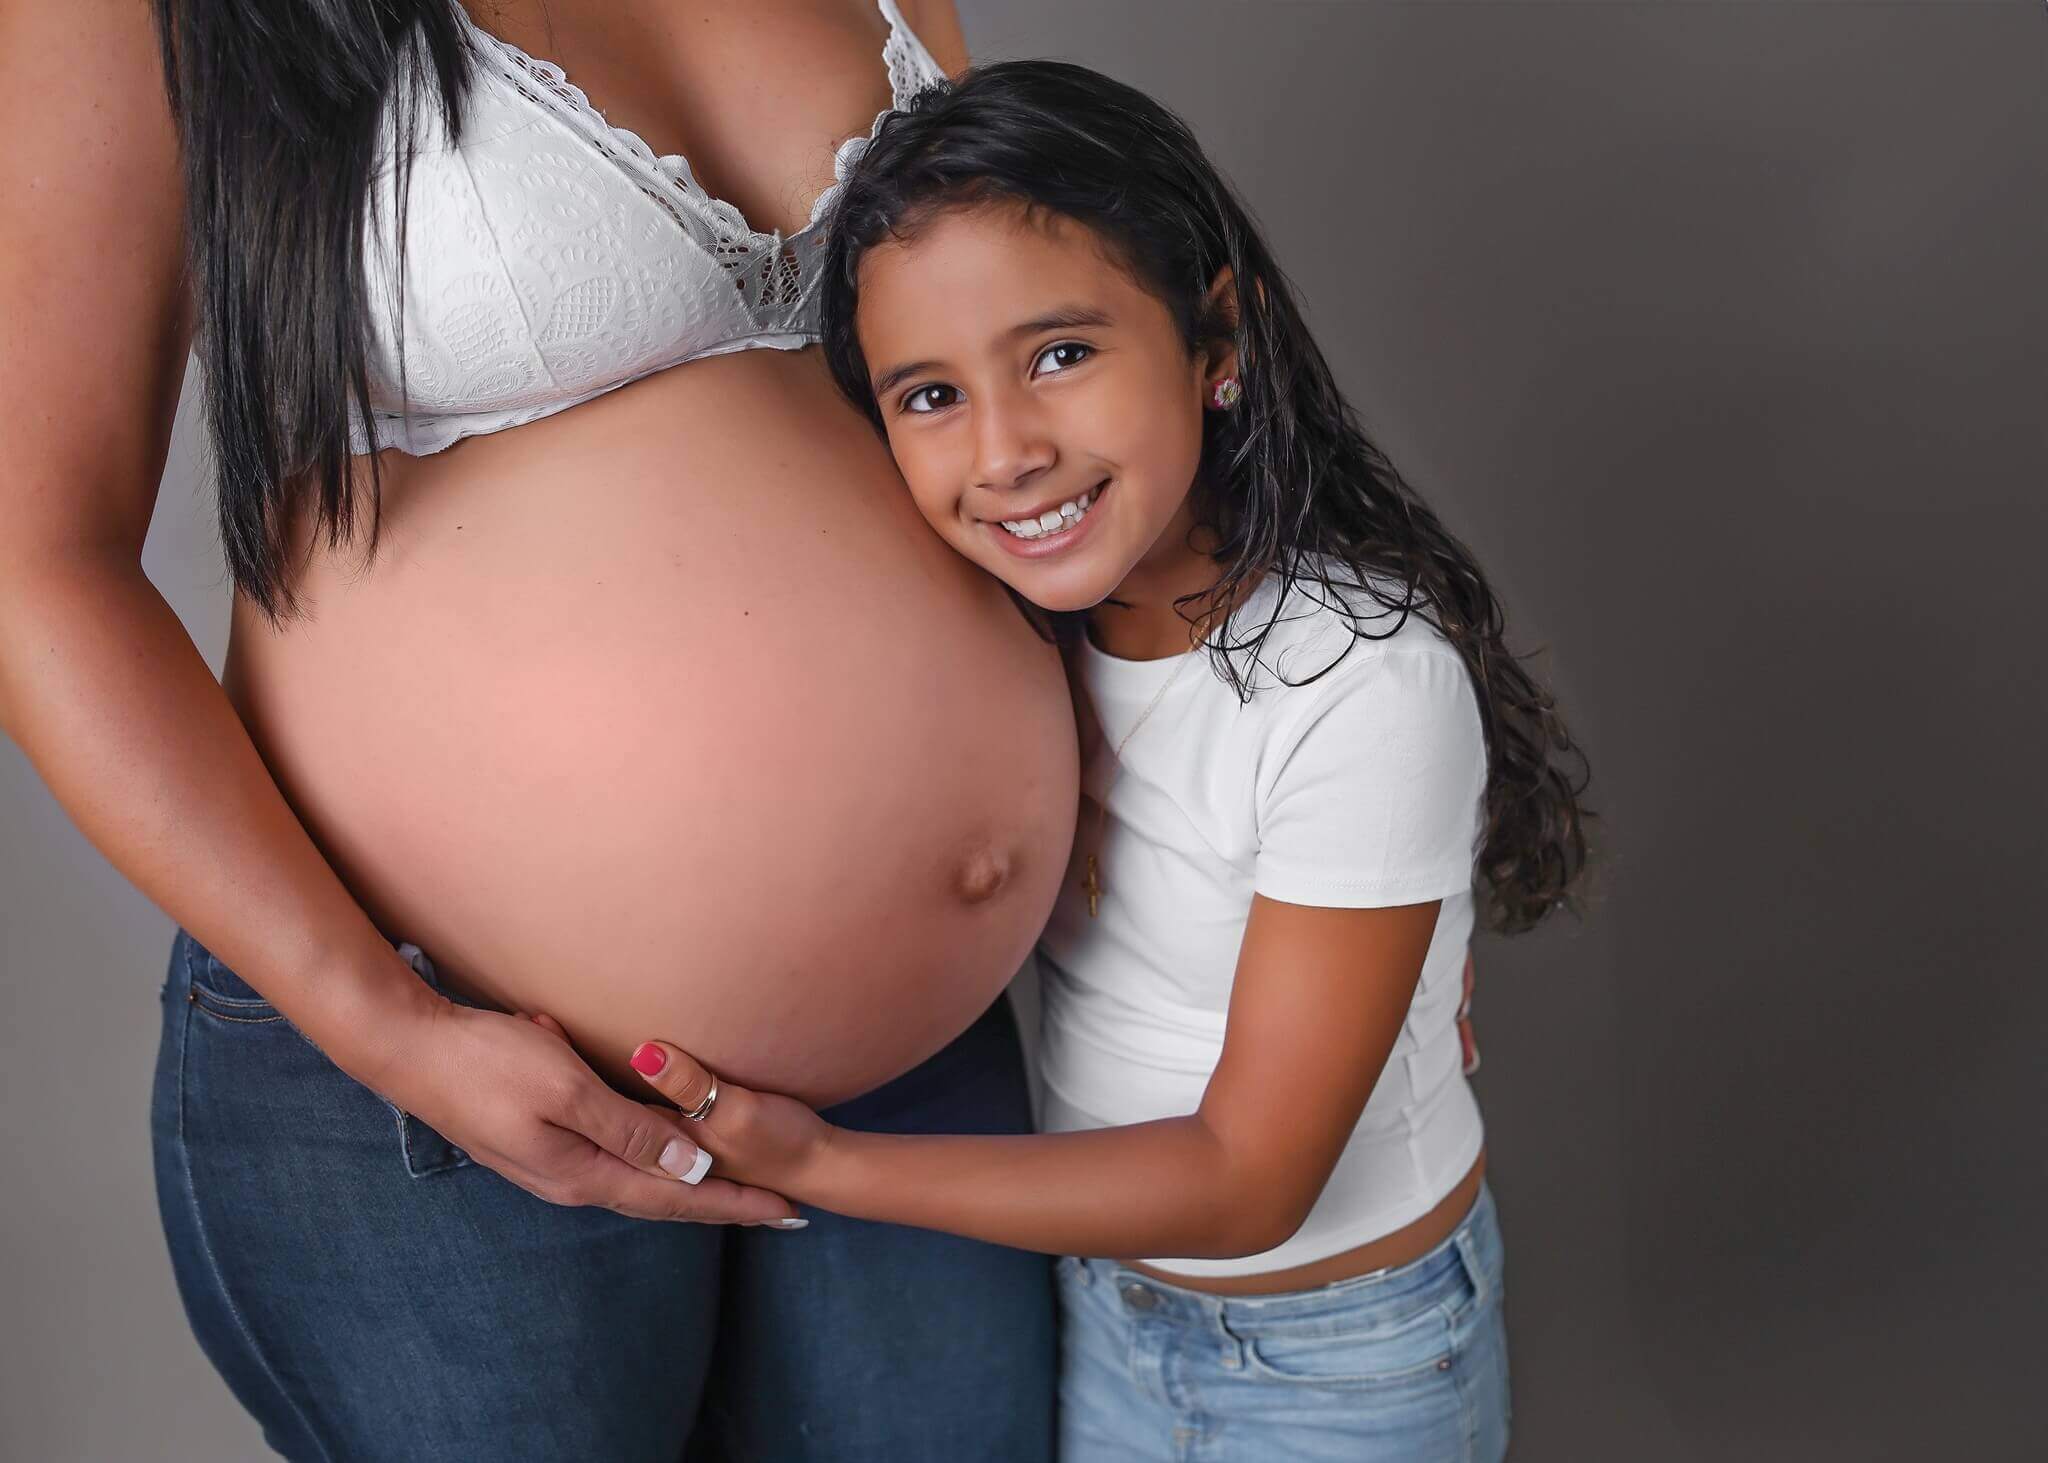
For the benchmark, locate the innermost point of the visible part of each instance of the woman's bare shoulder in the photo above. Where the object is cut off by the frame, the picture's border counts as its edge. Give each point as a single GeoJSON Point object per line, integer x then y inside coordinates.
{"type": "Point", "coordinates": [937, 23]}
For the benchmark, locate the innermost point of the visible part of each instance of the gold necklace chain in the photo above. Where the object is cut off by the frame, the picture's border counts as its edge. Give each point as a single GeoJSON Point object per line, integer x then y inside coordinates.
{"type": "Point", "coordinates": [1091, 883]}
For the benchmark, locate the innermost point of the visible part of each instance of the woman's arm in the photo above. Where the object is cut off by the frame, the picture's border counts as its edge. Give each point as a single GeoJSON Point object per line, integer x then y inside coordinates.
{"type": "Point", "coordinates": [1319, 999]}
{"type": "Point", "coordinates": [111, 702]}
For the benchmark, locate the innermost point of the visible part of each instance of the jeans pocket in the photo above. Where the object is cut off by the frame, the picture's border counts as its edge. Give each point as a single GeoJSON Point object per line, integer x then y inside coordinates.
{"type": "Point", "coordinates": [426, 1151]}
{"type": "Point", "coordinates": [229, 1004]}
{"type": "Point", "coordinates": [1417, 1350]}
{"type": "Point", "coordinates": [1388, 1330]}
{"type": "Point", "coordinates": [218, 992]}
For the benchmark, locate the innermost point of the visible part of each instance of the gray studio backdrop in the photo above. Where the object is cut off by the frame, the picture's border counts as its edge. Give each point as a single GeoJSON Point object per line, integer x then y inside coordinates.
{"type": "Point", "coordinates": [1720, 332]}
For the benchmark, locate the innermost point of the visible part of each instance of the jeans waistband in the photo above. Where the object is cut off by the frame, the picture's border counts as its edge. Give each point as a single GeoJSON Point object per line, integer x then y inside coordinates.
{"type": "Point", "coordinates": [988, 1046]}
{"type": "Point", "coordinates": [1474, 1245]}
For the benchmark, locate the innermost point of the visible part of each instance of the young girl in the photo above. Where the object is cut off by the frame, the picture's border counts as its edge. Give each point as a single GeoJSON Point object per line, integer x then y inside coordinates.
{"type": "Point", "coordinates": [1302, 726]}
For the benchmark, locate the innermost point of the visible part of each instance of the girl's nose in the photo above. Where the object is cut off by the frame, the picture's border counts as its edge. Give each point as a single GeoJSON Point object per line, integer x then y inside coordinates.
{"type": "Point", "coordinates": [1010, 446]}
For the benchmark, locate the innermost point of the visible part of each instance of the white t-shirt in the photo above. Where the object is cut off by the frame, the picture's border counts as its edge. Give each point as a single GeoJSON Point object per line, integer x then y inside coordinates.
{"type": "Point", "coordinates": [1359, 789]}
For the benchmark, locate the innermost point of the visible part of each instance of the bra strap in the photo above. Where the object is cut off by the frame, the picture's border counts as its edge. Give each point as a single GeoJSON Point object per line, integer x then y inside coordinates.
{"type": "Point", "coordinates": [911, 67]}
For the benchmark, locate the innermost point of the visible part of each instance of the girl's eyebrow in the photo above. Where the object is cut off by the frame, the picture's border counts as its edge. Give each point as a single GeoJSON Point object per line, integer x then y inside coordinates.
{"type": "Point", "coordinates": [1065, 317]}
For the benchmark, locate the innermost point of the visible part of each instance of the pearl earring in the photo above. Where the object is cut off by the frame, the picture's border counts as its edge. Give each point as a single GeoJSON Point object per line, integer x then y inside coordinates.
{"type": "Point", "coordinates": [1226, 394]}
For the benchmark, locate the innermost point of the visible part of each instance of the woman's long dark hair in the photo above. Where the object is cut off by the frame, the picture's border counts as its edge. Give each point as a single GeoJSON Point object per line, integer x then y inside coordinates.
{"type": "Point", "coordinates": [280, 105]}
{"type": "Point", "coordinates": [1289, 483]}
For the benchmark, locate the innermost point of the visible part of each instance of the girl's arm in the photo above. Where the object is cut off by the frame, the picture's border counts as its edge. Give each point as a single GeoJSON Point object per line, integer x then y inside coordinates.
{"type": "Point", "coordinates": [1319, 998]}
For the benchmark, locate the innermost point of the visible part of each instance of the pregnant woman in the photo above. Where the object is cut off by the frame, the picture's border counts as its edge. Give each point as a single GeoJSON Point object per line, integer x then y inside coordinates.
{"type": "Point", "coordinates": [535, 502]}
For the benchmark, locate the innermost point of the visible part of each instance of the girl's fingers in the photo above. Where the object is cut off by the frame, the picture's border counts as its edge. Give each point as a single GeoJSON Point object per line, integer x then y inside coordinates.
{"type": "Point", "coordinates": [674, 1073]}
{"type": "Point", "coordinates": [548, 1023]}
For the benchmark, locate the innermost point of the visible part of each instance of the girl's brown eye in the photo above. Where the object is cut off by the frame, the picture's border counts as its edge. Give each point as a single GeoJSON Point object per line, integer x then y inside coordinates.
{"type": "Point", "coordinates": [1076, 350]}
{"type": "Point", "coordinates": [923, 393]}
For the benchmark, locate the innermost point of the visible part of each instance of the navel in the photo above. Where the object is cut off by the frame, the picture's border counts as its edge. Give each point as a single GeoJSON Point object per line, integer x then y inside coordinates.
{"type": "Point", "coordinates": [981, 874]}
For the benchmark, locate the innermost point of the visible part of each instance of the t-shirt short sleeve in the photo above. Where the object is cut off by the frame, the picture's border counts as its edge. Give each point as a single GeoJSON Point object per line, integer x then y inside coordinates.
{"type": "Point", "coordinates": [1372, 797]}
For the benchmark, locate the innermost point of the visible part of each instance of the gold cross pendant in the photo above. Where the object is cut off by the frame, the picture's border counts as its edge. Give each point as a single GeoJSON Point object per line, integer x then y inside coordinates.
{"type": "Point", "coordinates": [1093, 886]}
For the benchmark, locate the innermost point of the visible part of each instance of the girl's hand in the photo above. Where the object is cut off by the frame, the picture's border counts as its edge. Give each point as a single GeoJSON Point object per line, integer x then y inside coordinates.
{"type": "Point", "coordinates": [756, 1136]}
{"type": "Point", "coordinates": [523, 1104]}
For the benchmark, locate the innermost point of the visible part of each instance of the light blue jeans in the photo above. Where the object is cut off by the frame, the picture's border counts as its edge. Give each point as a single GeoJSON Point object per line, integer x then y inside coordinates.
{"type": "Point", "coordinates": [1408, 1365]}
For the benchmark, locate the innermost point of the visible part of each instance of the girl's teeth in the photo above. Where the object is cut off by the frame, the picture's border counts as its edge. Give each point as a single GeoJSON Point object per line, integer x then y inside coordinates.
{"type": "Point", "coordinates": [1065, 516]}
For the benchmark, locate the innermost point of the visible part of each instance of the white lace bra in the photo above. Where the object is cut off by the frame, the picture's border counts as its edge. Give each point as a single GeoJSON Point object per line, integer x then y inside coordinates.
{"type": "Point", "coordinates": [551, 257]}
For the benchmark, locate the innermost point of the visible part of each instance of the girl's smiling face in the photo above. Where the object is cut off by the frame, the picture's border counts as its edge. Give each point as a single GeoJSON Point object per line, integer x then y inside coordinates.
{"type": "Point", "coordinates": [1041, 404]}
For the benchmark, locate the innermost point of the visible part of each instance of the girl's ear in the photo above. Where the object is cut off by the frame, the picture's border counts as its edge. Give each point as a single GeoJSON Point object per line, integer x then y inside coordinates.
{"type": "Point", "coordinates": [1221, 360]}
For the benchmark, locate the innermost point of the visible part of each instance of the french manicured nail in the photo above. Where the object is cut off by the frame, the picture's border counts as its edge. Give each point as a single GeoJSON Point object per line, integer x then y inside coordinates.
{"type": "Point", "coordinates": [649, 1059]}
{"type": "Point", "coordinates": [789, 1223]}
{"type": "Point", "coordinates": [680, 1160]}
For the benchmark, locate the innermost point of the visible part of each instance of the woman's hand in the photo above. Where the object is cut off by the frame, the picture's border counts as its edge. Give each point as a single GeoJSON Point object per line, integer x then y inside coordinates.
{"type": "Point", "coordinates": [516, 1098]}
{"type": "Point", "coordinates": [758, 1136]}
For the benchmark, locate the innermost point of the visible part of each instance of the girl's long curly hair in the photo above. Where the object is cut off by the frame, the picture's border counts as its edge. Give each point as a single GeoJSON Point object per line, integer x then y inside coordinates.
{"type": "Point", "coordinates": [1289, 485]}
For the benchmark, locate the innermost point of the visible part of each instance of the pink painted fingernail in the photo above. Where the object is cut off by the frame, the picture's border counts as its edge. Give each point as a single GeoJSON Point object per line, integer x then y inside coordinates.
{"type": "Point", "coordinates": [649, 1059]}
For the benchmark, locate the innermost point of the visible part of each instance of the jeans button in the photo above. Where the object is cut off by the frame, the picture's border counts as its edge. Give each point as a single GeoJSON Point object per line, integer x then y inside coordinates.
{"type": "Point", "coordinates": [1138, 1298]}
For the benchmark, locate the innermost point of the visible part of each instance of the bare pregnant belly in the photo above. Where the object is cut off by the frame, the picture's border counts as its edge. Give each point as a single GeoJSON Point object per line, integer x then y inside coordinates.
{"type": "Point", "coordinates": [669, 716]}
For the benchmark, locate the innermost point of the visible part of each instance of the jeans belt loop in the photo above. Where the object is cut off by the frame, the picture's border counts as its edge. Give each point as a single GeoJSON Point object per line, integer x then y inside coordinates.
{"type": "Point", "coordinates": [1468, 1252]}
{"type": "Point", "coordinates": [423, 967]}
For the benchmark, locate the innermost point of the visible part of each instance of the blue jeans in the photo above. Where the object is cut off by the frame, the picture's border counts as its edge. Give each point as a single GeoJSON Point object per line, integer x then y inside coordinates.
{"type": "Point", "coordinates": [370, 1294]}
{"type": "Point", "coordinates": [1408, 1365]}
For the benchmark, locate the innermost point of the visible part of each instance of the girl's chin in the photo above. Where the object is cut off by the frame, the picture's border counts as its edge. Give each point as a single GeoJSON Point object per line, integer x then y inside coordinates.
{"type": "Point", "coordinates": [1063, 588]}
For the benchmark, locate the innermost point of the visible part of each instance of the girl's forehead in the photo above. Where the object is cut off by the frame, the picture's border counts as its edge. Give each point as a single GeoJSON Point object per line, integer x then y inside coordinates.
{"type": "Point", "coordinates": [972, 236]}
{"type": "Point", "coordinates": [968, 269]}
